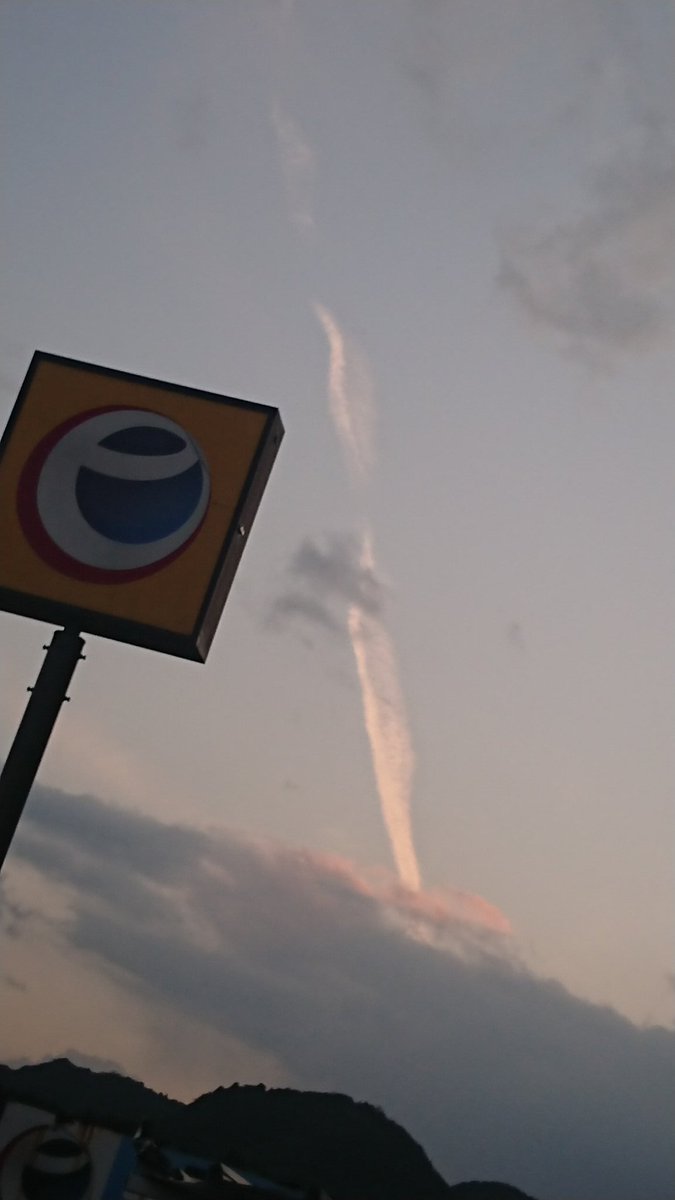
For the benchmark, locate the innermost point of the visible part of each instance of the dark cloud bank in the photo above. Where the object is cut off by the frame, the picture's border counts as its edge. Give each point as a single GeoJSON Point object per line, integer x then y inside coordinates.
{"type": "Point", "coordinates": [498, 1073]}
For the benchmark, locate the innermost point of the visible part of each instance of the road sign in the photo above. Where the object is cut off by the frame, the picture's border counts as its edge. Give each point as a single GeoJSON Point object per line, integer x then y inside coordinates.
{"type": "Point", "coordinates": [125, 502]}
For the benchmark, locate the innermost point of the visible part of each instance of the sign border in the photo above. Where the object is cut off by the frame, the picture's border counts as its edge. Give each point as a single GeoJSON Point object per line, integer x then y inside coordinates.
{"type": "Point", "coordinates": [196, 644]}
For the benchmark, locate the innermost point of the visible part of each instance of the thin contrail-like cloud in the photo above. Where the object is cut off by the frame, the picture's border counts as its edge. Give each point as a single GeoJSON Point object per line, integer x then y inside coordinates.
{"type": "Point", "coordinates": [352, 407]}
{"type": "Point", "coordinates": [386, 724]}
{"type": "Point", "coordinates": [297, 164]}
{"type": "Point", "coordinates": [296, 155]}
{"type": "Point", "coordinates": [387, 729]}
{"type": "Point", "coordinates": [351, 395]}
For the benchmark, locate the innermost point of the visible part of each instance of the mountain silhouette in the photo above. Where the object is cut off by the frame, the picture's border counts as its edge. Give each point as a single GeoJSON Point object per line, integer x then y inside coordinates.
{"type": "Point", "coordinates": [312, 1139]}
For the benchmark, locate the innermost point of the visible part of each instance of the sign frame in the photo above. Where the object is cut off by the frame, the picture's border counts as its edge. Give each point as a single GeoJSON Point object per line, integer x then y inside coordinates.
{"type": "Point", "coordinates": [195, 643]}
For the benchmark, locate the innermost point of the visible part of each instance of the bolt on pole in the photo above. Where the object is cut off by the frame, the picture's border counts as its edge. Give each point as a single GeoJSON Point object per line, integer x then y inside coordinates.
{"type": "Point", "coordinates": [30, 742]}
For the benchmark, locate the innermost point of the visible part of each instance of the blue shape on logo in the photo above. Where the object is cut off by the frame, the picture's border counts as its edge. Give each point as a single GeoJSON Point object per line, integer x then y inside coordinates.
{"type": "Point", "coordinates": [144, 439]}
{"type": "Point", "coordinates": [135, 511]}
{"type": "Point", "coordinates": [61, 1170]}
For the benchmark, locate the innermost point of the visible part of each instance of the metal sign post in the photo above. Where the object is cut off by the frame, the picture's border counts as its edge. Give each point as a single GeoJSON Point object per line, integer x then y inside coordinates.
{"type": "Point", "coordinates": [31, 738]}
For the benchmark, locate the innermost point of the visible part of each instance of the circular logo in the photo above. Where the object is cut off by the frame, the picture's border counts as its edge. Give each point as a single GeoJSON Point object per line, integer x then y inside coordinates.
{"type": "Point", "coordinates": [45, 1164]}
{"type": "Point", "coordinates": [113, 494]}
{"type": "Point", "coordinates": [59, 1170]}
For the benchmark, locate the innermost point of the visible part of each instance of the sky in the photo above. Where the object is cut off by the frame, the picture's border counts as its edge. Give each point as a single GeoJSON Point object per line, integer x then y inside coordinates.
{"type": "Point", "coordinates": [407, 834]}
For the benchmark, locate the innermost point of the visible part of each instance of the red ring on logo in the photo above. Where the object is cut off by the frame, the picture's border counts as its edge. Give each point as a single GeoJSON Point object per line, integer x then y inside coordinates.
{"type": "Point", "coordinates": [35, 533]}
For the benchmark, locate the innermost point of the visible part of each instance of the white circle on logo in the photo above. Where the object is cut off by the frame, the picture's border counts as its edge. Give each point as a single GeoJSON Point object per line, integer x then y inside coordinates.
{"type": "Point", "coordinates": [120, 490]}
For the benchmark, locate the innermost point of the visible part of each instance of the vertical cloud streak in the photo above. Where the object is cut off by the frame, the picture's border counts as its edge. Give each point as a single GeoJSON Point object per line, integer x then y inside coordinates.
{"type": "Point", "coordinates": [386, 726]}
{"type": "Point", "coordinates": [297, 163]}
{"type": "Point", "coordinates": [387, 729]}
{"type": "Point", "coordinates": [352, 407]}
{"type": "Point", "coordinates": [350, 392]}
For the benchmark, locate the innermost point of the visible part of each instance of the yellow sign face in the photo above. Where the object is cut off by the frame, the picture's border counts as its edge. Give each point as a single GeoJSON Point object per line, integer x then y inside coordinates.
{"type": "Point", "coordinates": [125, 503]}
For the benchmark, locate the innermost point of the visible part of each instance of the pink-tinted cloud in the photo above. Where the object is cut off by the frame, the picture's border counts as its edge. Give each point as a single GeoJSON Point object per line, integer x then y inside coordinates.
{"type": "Point", "coordinates": [388, 735]}
{"type": "Point", "coordinates": [320, 974]}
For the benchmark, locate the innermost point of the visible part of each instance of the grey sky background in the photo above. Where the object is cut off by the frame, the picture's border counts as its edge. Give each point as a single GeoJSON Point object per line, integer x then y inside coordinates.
{"type": "Point", "coordinates": [440, 236]}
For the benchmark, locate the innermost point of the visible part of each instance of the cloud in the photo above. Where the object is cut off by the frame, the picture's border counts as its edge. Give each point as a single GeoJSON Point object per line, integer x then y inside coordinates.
{"type": "Point", "coordinates": [352, 405]}
{"type": "Point", "coordinates": [324, 577]}
{"type": "Point", "coordinates": [602, 279]}
{"type": "Point", "coordinates": [595, 271]}
{"type": "Point", "coordinates": [331, 575]}
{"type": "Point", "coordinates": [337, 569]}
{"type": "Point", "coordinates": [353, 984]}
{"type": "Point", "coordinates": [305, 608]}
{"type": "Point", "coordinates": [13, 915]}
{"type": "Point", "coordinates": [10, 982]}
{"type": "Point", "coordinates": [351, 396]}
{"type": "Point", "coordinates": [387, 727]}
{"type": "Point", "coordinates": [297, 161]}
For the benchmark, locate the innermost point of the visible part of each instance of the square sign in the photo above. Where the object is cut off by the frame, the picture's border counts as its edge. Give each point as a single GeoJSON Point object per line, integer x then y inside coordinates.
{"type": "Point", "coordinates": [125, 503]}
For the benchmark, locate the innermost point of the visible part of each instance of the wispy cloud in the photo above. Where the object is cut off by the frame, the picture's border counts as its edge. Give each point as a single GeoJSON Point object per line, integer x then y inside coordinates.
{"type": "Point", "coordinates": [602, 280]}
{"type": "Point", "coordinates": [386, 726]}
{"type": "Point", "coordinates": [414, 1000]}
{"type": "Point", "coordinates": [322, 576]}
{"type": "Point", "coordinates": [337, 569]}
{"type": "Point", "coordinates": [601, 277]}
{"type": "Point", "coordinates": [590, 257]}
{"type": "Point", "coordinates": [13, 916]}
{"type": "Point", "coordinates": [351, 396]}
{"type": "Point", "coordinates": [297, 163]}
{"type": "Point", "coordinates": [295, 605]}
{"type": "Point", "coordinates": [352, 406]}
